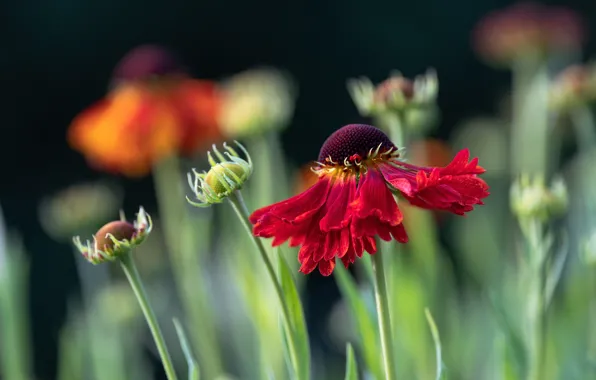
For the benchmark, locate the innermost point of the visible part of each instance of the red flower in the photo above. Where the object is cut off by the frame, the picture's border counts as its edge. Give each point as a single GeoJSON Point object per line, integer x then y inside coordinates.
{"type": "Point", "coordinates": [352, 202]}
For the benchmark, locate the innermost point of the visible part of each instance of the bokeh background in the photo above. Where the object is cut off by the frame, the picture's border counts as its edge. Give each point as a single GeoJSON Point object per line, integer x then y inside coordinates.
{"type": "Point", "coordinates": [57, 58]}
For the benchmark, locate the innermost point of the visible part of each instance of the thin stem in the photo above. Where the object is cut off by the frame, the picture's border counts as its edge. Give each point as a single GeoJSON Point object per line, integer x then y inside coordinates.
{"type": "Point", "coordinates": [382, 302]}
{"type": "Point", "coordinates": [239, 206]}
{"type": "Point", "coordinates": [130, 269]}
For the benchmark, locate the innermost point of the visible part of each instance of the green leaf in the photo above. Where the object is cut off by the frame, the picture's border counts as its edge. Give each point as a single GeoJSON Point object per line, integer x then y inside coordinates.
{"type": "Point", "coordinates": [365, 322]}
{"type": "Point", "coordinates": [298, 323]}
{"type": "Point", "coordinates": [437, 341]}
{"type": "Point", "coordinates": [351, 365]}
{"type": "Point", "coordinates": [193, 366]}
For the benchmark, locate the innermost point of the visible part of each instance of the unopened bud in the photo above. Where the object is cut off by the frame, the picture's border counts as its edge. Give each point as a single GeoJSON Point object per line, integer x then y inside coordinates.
{"type": "Point", "coordinates": [532, 199]}
{"type": "Point", "coordinates": [115, 239]}
{"type": "Point", "coordinates": [222, 179]}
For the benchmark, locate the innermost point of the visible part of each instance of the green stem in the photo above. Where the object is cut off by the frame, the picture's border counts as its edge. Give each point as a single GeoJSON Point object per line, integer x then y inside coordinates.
{"type": "Point", "coordinates": [394, 123]}
{"type": "Point", "coordinates": [583, 123]}
{"type": "Point", "coordinates": [239, 206]}
{"type": "Point", "coordinates": [130, 269]}
{"type": "Point", "coordinates": [382, 302]}
{"type": "Point", "coordinates": [535, 303]}
{"type": "Point", "coordinates": [530, 119]}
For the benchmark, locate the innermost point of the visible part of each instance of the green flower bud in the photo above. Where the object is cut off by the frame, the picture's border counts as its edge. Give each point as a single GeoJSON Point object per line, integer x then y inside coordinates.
{"type": "Point", "coordinates": [532, 199]}
{"type": "Point", "coordinates": [395, 94]}
{"type": "Point", "coordinates": [222, 179]}
{"type": "Point", "coordinates": [115, 239]}
{"type": "Point", "coordinates": [574, 87]}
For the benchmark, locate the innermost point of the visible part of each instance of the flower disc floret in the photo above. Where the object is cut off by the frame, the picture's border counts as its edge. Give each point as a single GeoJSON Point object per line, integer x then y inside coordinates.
{"type": "Point", "coordinates": [353, 141]}
{"type": "Point", "coordinates": [222, 179]}
{"type": "Point", "coordinates": [115, 239]}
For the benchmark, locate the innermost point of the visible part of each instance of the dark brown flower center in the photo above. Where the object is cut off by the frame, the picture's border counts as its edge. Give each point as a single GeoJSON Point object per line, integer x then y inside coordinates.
{"type": "Point", "coordinates": [147, 61]}
{"type": "Point", "coordinates": [354, 142]}
{"type": "Point", "coordinates": [120, 229]}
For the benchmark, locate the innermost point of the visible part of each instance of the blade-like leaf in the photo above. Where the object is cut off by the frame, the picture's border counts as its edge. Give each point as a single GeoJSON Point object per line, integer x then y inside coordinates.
{"type": "Point", "coordinates": [351, 365]}
{"type": "Point", "coordinates": [365, 322]}
{"type": "Point", "coordinates": [298, 323]}
{"type": "Point", "coordinates": [193, 366]}
{"type": "Point", "coordinates": [437, 341]}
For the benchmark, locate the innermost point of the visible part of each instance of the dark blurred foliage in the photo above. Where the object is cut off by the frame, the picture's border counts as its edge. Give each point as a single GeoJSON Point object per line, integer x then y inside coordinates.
{"type": "Point", "coordinates": [57, 57]}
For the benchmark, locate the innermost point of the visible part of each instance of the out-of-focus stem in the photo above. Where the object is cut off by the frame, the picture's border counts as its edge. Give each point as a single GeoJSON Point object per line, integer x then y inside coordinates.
{"type": "Point", "coordinates": [382, 302]}
{"type": "Point", "coordinates": [535, 313]}
{"type": "Point", "coordinates": [241, 210]}
{"type": "Point", "coordinates": [394, 123]}
{"type": "Point", "coordinates": [529, 133]}
{"type": "Point", "coordinates": [185, 258]}
{"type": "Point", "coordinates": [592, 320]}
{"type": "Point", "coordinates": [130, 269]}
{"type": "Point", "coordinates": [584, 126]}
{"type": "Point", "coordinates": [93, 278]}
{"type": "Point", "coordinates": [269, 184]}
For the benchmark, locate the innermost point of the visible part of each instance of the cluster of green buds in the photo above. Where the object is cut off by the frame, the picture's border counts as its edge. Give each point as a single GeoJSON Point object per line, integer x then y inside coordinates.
{"type": "Point", "coordinates": [532, 199]}
{"type": "Point", "coordinates": [414, 100]}
{"type": "Point", "coordinates": [116, 239]}
{"type": "Point", "coordinates": [222, 179]}
{"type": "Point", "coordinates": [396, 93]}
{"type": "Point", "coordinates": [575, 86]}
{"type": "Point", "coordinates": [256, 101]}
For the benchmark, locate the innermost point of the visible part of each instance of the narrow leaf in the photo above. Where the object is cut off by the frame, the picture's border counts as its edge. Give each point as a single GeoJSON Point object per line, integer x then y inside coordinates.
{"type": "Point", "coordinates": [437, 341]}
{"type": "Point", "coordinates": [298, 323]}
{"type": "Point", "coordinates": [351, 365]}
{"type": "Point", "coordinates": [365, 322]}
{"type": "Point", "coordinates": [193, 366]}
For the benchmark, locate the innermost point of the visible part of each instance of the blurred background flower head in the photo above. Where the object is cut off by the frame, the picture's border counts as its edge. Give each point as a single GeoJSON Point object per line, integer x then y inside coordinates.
{"type": "Point", "coordinates": [257, 101]}
{"type": "Point", "coordinates": [573, 87]}
{"type": "Point", "coordinates": [79, 209]}
{"type": "Point", "coordinates": [527, 31]}
{"type": "Point", "coordinates": [154, 109]}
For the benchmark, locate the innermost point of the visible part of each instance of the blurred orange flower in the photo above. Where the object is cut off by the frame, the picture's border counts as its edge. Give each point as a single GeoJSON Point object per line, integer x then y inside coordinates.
{"type": "Point", "coordinates": [429, 152]}
{"type": "Point", "coordinates": [153, 111]}
{"type": "Point", "coordinates": [305, 178]}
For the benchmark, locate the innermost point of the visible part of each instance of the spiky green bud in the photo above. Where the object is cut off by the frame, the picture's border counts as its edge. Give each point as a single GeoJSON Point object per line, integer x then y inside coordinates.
{"type": "Point", "coordinates": [223, 178]}
{"type": "Point", "coordinates": [115, 239]}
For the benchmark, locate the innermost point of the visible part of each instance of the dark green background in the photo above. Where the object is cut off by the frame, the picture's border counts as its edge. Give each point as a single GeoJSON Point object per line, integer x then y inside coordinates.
{"type": "Point", "coordinates": [56, 58]}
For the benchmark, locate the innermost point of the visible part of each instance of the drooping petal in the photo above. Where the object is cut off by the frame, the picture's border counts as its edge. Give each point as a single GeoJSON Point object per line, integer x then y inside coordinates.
{"type": "Point", "coordinates": [338, 213]}
{"type": "Point", "coordinates": [455, 188]}
{"type": "Point", "coordinates": [375, 209]}
{"type": "Point", "coordinates": [296, 208]}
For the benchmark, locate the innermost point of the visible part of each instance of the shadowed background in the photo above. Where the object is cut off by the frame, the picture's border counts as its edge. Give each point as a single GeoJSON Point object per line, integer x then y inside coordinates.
{"type": "Point", "coordinates": [57, 58]}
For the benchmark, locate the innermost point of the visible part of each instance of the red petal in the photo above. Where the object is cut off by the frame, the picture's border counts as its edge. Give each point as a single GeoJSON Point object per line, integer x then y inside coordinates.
{"type": "Point", "coordinates": [326, 267]}
{"type": "Point", "coordinates": [455, 187]}
{"type": "Point", "coordinates": [338, 213]}
{"type": "Point", "coordinates": [375, 199]}
{"type": "Point", "coordinates": [299, 207]}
